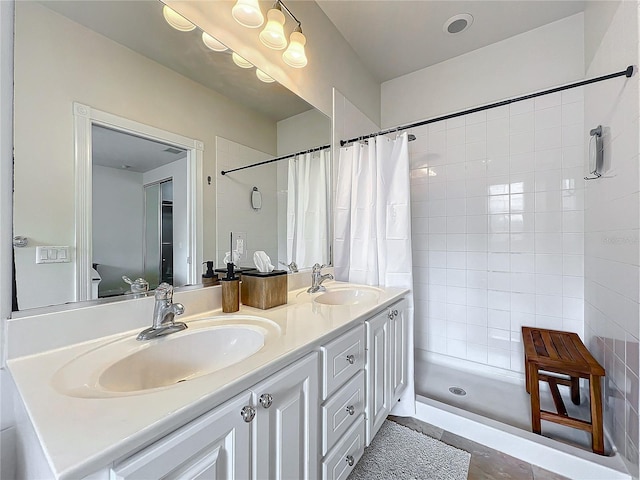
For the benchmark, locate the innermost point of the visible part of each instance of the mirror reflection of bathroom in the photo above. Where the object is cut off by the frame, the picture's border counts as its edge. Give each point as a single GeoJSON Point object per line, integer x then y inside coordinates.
{"type": "Point", "coordinates": [135, 182]}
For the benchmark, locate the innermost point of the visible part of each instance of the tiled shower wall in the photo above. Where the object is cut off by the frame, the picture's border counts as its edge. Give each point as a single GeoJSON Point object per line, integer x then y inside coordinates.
{"type": "Point", "coordinates": [612, 229]}
{"type": "Point", "coordinates": [498, 227]}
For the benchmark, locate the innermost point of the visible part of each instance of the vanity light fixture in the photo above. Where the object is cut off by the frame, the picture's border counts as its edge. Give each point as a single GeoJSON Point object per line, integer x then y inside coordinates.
{"type": "Point", "coordinates": [213, 44]}
{"type": "Point", "coordinates": [241, 62]}
{"type": "Point", "coordinates": [273, 34]}
{"type": "Point", "coordinates": [176, 20]}
{"type": "Point", "coordinates": [263, 77]}
{"type": "Point", "coordinates": [247, 13]}
{"type": "Point", "coordinates": [294, 55]}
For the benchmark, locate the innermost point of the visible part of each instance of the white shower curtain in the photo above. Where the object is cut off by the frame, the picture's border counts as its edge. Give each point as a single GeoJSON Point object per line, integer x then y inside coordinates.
{"type": "Point", "coordinates": [308, 209]}
{"type": "Point", "coordinates": [373, 227]}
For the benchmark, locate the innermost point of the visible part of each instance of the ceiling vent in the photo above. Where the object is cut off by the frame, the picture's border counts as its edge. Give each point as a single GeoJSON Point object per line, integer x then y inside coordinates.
{"type": "Point", "coordinates": [172, 150]}
{"type": "Point", "coordinates": [457, 24]}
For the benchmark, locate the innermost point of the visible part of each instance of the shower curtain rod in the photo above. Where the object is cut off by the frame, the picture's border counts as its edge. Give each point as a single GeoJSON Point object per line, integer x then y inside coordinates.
{"type": "Point", "coordinates": [311, 150]}
{"type": "Point", "coordinates": [628, 72]}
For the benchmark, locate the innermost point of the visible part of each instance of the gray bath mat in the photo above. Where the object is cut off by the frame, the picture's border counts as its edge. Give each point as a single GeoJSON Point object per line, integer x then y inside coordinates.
{"type": "Point", "coordinates": [400, 453]}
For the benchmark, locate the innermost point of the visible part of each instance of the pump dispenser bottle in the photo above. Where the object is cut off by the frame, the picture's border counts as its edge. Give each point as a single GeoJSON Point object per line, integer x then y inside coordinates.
{"type": "Point", "coordinates": [230, 287]}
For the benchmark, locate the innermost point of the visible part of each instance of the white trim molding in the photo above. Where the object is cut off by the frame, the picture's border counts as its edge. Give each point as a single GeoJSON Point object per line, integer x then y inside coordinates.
{"type": "Point", "coordinates": [84, 117]}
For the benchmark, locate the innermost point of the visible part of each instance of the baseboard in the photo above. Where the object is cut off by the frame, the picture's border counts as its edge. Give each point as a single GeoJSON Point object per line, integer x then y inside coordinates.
{"type": "Point", "coordinates": [544, 452]}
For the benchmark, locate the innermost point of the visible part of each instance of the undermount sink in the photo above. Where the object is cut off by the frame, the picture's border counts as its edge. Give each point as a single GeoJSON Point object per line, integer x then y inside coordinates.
{"type": "Point", "coordinates": [182, 358]}
{"type": "Point", "coordinates": [348, 296]}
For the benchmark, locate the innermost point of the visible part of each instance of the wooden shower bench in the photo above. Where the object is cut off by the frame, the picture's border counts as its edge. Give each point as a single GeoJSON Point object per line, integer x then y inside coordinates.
{"type": "Point", "coordinates": [562, 353]}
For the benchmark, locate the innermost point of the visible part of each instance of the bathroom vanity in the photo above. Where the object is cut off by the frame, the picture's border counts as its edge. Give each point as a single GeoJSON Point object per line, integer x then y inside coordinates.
{"type": "Point", "coordinates": [302, 389]}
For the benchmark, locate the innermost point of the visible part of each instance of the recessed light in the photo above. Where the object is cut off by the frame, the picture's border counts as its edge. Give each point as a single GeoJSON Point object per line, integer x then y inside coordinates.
{"type": "Point", "coordinates": [457, 24]}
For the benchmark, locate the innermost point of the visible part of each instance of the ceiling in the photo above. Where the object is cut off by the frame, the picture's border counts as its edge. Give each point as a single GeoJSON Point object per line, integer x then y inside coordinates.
{"type": "Point", "coordinates": [115, 149]}
{"type": "Point", "coordinates": [393, 38]}
{"type": "Point", "coordinates": [140, 26]}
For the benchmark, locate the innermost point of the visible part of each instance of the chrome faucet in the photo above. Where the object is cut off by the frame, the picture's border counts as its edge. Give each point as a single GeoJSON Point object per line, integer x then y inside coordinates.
{"type": "Point", "coordinates": [163, 314]}
{"type": "Point", "coordinates": [317, 278]}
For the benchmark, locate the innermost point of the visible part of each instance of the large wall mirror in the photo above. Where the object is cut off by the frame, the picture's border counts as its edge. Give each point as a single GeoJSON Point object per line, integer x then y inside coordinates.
{"type": "Point", "coordinates": [122, 126]}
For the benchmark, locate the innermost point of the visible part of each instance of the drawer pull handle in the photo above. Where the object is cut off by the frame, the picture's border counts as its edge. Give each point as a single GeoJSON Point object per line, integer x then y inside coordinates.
{"type": "Point", "coordinates": [266, 399]}
{"type": "Point", "coordinates": [248, 413]}
{"type": "Point", "coordinates": [351, 359]}
{"type": "Point", "coordinates": [350, 460]}
{"type": "Point", "coordinates": [351, 410]}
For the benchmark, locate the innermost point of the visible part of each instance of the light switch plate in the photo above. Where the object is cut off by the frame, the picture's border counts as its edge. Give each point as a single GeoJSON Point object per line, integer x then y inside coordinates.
{"type": "Point", "coordinates": [52, 254]}
{"type": "Point", "coordinates": [241, 245]}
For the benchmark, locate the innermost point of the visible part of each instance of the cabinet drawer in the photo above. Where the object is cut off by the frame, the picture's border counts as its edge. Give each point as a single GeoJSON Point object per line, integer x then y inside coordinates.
{"type": "Point", "coordinates": [348, 450]}
{"type": "Point", "coordinates": [341, 359]}
{"type": "Point", "coordinates": [341, 411]}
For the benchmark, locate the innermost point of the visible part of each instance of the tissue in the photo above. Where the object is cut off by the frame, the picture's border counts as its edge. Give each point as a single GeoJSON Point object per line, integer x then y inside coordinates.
{"type": "Point", "coordinates": [263, 262]}
{"type": "Point", "coordinates": [236, 257]}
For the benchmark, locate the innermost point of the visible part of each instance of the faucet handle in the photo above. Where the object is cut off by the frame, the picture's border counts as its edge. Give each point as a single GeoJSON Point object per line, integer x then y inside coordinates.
{"type": "Point", "coordinates": [317, 268]}
{"type": "Point", "coordinates": [164, 291]}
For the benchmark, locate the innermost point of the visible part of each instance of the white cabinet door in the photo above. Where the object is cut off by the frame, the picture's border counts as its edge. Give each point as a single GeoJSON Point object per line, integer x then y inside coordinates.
{"type": "Point", "coordinates": [287, 427]}
{"type": "Point", "coordinates": [378, 372]}
{"type": "Point", "coordinates": [216, 445]}
{"type": "Point", "coordinates": [399, 350]}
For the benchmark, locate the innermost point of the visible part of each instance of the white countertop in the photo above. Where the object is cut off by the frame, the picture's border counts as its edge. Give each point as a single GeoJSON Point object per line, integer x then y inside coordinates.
{"type": "Point", "coordinates": [80, 435]}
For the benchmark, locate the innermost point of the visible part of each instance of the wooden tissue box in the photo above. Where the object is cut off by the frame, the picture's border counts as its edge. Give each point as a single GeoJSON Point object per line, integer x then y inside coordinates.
{"type": "Point", "coordinates": [264, 290]}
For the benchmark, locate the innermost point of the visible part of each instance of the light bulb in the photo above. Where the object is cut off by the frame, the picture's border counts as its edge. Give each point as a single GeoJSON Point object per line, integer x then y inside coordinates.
{"type": "Point", "coordinates": [247, 13]}
{"type": "Point", "coordinates": [212, 44]}
{"type": "Point", "coordinates": [176, 20]}
{"type": "Point", "coordinates": [239, 61]}
{"type": "Point", "coordinates": [294, 55]}
{"type": "Point", "coordinates": [263, 77]}
{"type": "Point", "coordinates": [273, 34]}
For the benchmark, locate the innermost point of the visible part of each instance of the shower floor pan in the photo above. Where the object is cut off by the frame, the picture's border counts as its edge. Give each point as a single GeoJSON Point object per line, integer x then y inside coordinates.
{"type": "Point", "coordinates": [495, 411]}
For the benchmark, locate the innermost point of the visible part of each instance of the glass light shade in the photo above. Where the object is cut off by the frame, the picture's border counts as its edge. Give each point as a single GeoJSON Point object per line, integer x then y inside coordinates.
{"type": "Point", "coordinates": [176, 20]}
{"type": "Point", "coordinates": [247, 13]}
{"type": "Point", "coordinates": [294, 55]}
{"type": "Point", "coordinates": [263, 77]}
{"type": "Point", "coordinates": [273, 34]}
{"type": "Point", "coordinates": [239, 61]}
{"type": "Point", "coordinates": [212, 44]}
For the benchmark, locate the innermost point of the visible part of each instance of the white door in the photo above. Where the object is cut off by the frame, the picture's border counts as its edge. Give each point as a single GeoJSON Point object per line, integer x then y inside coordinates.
{"type": "Point", "coordinates": [377, 368]}
{"type": "Point", "coordinates": [287, 423]}
{"type": "Point", "coordinates": [399, 350]}
{"type": "Point", "coordinates": [216, 445]}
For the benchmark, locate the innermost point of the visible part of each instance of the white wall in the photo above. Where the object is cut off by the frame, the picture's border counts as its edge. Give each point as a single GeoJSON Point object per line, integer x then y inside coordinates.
{"type": "Point", "coordinates": [497, 196]}
{"type": "Point", "coordinates": [118, 229]}
{"type": "Point", "coordinates": [612, 223]}
{"type": "Point", "coordinates": [535, 60]}
{"type": "Point", "coordinates": [58, 62]}
{"type": "Point", "coordinates": [332, 61]}
{"type": "Point", "coordinates": [235, 213]}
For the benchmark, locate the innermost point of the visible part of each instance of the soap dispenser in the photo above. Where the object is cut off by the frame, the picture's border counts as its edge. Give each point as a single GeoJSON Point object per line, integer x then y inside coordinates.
{"type": "Point", "coordinates": [209, 278]}
{"type": "Point", "coordinates": [230, 291]}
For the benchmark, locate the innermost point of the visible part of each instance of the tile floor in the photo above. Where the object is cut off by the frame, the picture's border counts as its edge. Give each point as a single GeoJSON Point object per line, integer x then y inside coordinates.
{"type": "Point", "coordinates": [486, 463]}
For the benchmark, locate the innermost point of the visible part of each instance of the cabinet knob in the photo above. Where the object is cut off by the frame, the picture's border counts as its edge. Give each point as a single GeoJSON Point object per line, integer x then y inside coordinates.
{"type": "Point", "coordinates": [248, 413]}
{"type": "Point", "coordinates": [350, 460]}
{"type": "Point", "coordinates": [390, 315]}
{"type": "Point", "coordinates": [266, 399]}
{"type": "Point", "coordinates": [395, 313]}
{"type": "Point", "coordinates": [351, 410]}
{"type": "Point", "coordinates": [351, 359]}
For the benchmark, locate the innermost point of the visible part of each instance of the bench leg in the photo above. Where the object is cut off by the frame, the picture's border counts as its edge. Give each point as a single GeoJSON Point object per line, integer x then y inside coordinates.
{"type": "Point", "coordinates": [526, 375]}
{"type": "Point", "coordinates": [534, 387]}
{"type": "Point", "coordinates": [575, 390]}
{"type": "Point", "coordinates": [597, 435]}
